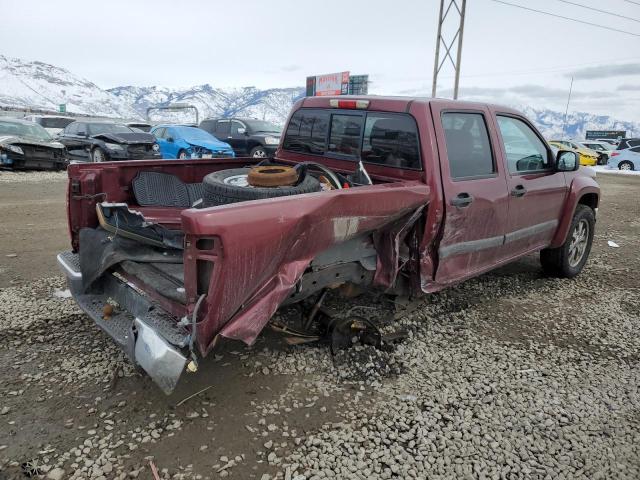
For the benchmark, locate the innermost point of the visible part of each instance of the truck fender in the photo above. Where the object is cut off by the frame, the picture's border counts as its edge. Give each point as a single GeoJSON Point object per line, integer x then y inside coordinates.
{"type": "Point", "coordinates": [584, 190]}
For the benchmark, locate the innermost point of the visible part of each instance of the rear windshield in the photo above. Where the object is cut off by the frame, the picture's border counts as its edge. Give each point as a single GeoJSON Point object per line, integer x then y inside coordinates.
{"type": "Point", "coordinates": [389, 139]}
{"type": "Point", "coordinates": [54, 122]}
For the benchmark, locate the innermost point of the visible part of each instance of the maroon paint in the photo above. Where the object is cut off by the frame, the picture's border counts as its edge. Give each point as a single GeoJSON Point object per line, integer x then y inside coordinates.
{"type": "Point", "coordinates": [263, 250]}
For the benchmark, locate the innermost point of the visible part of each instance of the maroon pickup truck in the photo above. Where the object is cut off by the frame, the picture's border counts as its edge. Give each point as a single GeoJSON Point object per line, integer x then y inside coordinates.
{"type": "Point", "coordinates": [405, 195]}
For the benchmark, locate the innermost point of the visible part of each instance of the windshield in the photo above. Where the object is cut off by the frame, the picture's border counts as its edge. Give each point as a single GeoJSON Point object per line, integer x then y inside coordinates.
{"type": "Point", "coordinates": [35, 131]}
{"type": "Point", "coordinates": [55, 122]}
{"type": "Point", "coordinates": [262, 126]}
{"type": "Point", "coordinates": [192, 134]}
{"type": "Point", "coordinates": [99, 128]}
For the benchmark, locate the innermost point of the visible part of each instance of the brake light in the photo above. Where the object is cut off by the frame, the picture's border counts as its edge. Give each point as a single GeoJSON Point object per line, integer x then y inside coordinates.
{"type": "Point", "coordinates": [615, 154]}
{"type": "Point", "coordinates": [351, 104]}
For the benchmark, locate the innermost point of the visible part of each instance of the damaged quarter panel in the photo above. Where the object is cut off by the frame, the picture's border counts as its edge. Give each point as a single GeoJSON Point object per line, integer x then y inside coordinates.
{"type": "Point", "coordinates": [257, 255]}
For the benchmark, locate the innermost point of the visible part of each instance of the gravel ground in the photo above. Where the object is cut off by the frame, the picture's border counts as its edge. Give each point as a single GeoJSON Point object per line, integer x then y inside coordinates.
{"type": "Point", "coordinates": [510, 375]}
{"type": "Point", "coordinates": [31, 177]}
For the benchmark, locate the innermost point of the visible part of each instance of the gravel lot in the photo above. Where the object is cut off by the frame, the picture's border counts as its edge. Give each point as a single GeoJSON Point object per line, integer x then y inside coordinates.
{"type": "Point", "coordinates": [511, 375]}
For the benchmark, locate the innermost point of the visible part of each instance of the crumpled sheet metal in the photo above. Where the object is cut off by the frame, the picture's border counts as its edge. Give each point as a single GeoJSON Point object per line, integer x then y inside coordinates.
{"type": "Point", "coordinates": [267, 245]}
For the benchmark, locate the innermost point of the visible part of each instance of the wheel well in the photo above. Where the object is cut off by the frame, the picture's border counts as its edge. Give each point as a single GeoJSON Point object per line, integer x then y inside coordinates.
{"type": "Point", "coordinates": [590, 200]}
{"type": "Point", "coordinates": [253, 144]}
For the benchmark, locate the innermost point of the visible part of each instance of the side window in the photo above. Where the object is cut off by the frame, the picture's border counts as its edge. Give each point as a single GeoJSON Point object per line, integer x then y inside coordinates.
{"type": "Point", "coordinates": [235, 126]}
{"type": "Point", "coordinates": [82, 127]}
{"type": "Point", "coordinates": [525, 151]}
{"type": "Point", "coordinates": [392, 140]}
{"type": "Point", "coordinates": [345, 135]}
{"type": "Point", "coordinates": [159, 133]}
{"type": "Point", "coordinates": [208, 125]}
{"type": "Point", "coordinates": [72, 129]}
{"type": "Point", "coordinates": [634, 143]}
{"type": "Point", "coordinates": [635, 149]}
{"type": "Point", "coordinates": [224, 127]}
{"type": "Point", "coordinates": [468, 146]}
{"type": "Point", "coordinates": [307, 132]}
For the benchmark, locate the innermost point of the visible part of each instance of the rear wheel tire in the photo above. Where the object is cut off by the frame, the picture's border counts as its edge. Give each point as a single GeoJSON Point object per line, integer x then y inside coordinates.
{"type": "Point", "coordinates": [98, 155]}
{"type": "Point", "coordinates": [627, 166]}
{"type": "Point", "coordinates": [259, 152]}
{"type": "Point", "coordinates": [182, 155]}
{"type": "Point", "coordinates": [569, 259]}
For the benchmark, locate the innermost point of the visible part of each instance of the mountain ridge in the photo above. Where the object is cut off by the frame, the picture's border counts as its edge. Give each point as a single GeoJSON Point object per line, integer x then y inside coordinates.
{"type": "Point", "coordinates": [25, 84]}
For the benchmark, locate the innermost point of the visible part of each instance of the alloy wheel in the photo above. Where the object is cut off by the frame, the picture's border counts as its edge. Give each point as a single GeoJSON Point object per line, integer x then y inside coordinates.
{"type": "Point", "coordinates": [579, 241]}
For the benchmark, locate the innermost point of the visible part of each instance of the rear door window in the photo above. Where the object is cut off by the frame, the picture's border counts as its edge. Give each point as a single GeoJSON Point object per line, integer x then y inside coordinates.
{"type": "Point", "coordinates": [468, 147]}
{"type": "Point", "coordinates": [391, 139]}
{"type": "Point", "coordinates": [345, 135]}
{"type": "Point", "coordinates": [159, 133]}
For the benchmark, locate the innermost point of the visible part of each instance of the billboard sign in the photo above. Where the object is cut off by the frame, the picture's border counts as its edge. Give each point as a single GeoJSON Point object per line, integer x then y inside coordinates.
{"type": "Point", "coordinates": [329, 84]}
{"type": "Point", "coordinates": [608, 134]}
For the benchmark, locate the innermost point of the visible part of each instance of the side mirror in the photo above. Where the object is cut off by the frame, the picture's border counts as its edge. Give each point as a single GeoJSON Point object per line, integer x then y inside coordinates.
{"type": "Point", "coordinates": [242, 131]}
{"type": "Point", "coordinates": [567, 161]}
{"type": "Point", "coordinates": [170, 139]}
{"type": "Point", "coordinates": [82, 134]}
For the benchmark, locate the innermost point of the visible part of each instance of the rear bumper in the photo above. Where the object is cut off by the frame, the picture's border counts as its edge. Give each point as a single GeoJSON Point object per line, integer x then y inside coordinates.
{"type": "Point", "coordinates": [150, 337]}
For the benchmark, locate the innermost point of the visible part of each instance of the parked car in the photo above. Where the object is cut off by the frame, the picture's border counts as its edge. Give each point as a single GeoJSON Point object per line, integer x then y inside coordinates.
{"type": "Point", "coordinates": [628, 143]}
{"type": "Point", "coordinates": [54, 124]}
{"type": "Point", "coordinates": [404, 195]}
{"type": "Point", "coordinates": [603, 149]}
{"type": "Point", "coordinates": [142, 126]}
{"type": "Point", "coordinates": [610, 141]}
{"type": "Point", "coordinates": [178, 141]}
{"type": "Point", "coordinates": [627, 159]}
{"type": "Point", "coordinates": [94, 141]}
{"type": "Point", "coordinates": [588, 157]}
{"type": "Point", "coordinates": [25, 144]}
{"type": "Point", "coordinates": [248, 137]}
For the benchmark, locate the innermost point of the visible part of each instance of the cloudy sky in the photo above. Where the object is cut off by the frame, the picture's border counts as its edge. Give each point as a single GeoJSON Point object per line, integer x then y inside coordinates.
{"type": "Point", "coordinates": [510, 55]}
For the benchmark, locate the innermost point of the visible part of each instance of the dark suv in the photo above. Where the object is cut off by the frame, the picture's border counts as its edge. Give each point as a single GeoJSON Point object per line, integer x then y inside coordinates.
{"type": "Point", "coordinates": [247, 136]}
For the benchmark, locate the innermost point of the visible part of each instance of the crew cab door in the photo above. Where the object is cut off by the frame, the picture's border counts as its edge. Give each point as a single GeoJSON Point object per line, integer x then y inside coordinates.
{"type": "Point", "coordinates": [536, 191]}
{"type": "Point", "coordinates": [75, 144]}
{"type": "Point", "coordinates": [475, 193]}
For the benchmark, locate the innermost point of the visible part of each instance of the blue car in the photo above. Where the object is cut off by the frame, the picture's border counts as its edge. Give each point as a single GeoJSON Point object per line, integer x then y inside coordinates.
{"type": "Point", "coordinates": [179, 141]}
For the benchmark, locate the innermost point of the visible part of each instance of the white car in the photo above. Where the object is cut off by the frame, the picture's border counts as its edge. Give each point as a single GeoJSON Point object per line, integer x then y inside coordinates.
{"type": "Point", "coordinates": [627, 159]}
{"type": "Point", "coordinates": [603, 149]}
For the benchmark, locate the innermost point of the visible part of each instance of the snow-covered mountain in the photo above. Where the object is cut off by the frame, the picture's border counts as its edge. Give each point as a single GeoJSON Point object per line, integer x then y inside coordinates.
{"type": "Point", "coordinates": [272, 104]}
{"type": "Point", "coordinates": [44, 86]}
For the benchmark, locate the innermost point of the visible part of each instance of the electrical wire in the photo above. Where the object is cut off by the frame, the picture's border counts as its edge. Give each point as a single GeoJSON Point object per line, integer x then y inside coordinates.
{"type": "Point", "coordinates": [566, 18]}
{"type": "Point", "coordinates": [629, 1]}
{"type": "Point", "coordinates": [600, 11]}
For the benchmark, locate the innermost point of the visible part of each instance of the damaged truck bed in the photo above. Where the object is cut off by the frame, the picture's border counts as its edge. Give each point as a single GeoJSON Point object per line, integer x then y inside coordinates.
{"type": "Point", "coordinates": [168, 257]}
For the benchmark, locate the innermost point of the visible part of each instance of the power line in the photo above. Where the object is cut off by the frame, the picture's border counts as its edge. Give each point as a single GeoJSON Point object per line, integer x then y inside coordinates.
{"type": "Point", "coordinates": [600, 11]}
{"type": "Point", "coordinates": [629, 1]}
{"type": "Point", "coordinates": [566, 18]}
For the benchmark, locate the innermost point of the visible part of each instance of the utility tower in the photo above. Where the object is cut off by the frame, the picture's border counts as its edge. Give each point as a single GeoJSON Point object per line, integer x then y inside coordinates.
{"type": "Point", "coordinates": [455, 11]}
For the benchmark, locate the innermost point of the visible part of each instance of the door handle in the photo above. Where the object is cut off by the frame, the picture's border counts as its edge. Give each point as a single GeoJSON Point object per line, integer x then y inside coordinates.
{"type": "Point", "coordinates": [462, 200]}
{"type": "Point", "coordinates": [518, 191]}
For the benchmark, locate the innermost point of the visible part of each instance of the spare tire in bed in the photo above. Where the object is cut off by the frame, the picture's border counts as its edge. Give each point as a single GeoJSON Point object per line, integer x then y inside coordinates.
{"type": "Point", "coordinates": [231, 186]}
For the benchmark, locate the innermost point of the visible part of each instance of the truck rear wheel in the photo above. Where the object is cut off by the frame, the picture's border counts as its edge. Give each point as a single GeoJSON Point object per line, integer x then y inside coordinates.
{"type": "Point", "coordinates": [569, 259]}
{"type": "Point", "coordinates": [232, 186]}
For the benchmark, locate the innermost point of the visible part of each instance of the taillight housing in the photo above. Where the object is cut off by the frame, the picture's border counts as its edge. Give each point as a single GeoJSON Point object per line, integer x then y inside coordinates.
{"type": "Point", "coordinates": [349, 104]}
{"type": "Point", "coordinates": [615, 154]}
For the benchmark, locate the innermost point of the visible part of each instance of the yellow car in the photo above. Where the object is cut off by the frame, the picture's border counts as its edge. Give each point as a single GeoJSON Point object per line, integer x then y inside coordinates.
{"type": "Point", "coordinates": [588, 157]}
